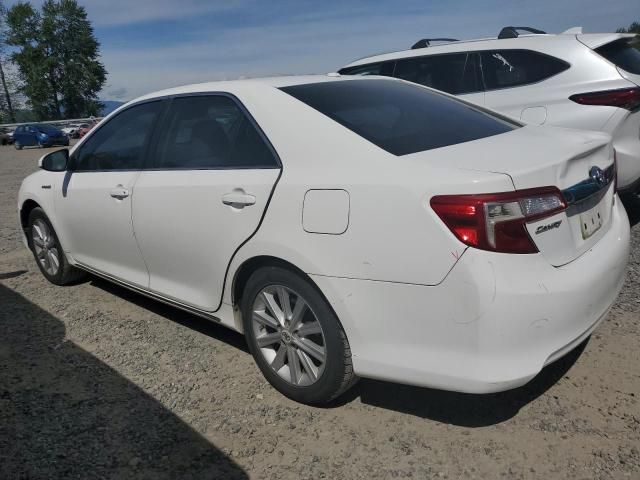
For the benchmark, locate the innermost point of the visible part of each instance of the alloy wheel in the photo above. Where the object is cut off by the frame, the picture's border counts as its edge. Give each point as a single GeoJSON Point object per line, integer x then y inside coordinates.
{"type": "Point", "coordinates": [45, 247]}
{"type": "Point", "coordinates": [289, 335]}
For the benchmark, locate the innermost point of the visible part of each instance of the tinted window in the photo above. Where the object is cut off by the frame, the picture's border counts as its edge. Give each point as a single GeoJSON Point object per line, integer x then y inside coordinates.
{"type": "Point", "coordinates": [623, 53]}
{"type": "Point", "coordinates": [399, 117]}
{"type": "Point", "coordinates": [512, 68]}
{"type": "Point", "coordinates": [382, 68]}
{"type": "Point", "coordinates": [119, 144]}
{"type": "Point", "coordinates": [211, 132]}
{"type": "Point", "coordinates": [455, 74]}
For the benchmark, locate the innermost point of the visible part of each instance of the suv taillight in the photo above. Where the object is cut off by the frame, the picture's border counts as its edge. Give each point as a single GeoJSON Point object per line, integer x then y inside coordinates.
{"type": "Point", "coordinates": [628, 98]}
{"type": "Point", "coordinates": [497, 221]}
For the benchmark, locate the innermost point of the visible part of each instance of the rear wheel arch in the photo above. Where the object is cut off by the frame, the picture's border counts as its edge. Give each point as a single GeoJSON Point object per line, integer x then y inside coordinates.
{"type": "Point", "coordinates": [252, 265]}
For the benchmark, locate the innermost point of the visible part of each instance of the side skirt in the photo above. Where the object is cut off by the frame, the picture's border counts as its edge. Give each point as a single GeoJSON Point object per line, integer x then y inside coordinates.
{"type": "Point", "coordinates": [147, 293]}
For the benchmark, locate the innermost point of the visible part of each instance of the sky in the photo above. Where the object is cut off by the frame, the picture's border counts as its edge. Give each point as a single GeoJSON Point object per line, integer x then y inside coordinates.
{"type": "Point", "coordinates": [148, 45]}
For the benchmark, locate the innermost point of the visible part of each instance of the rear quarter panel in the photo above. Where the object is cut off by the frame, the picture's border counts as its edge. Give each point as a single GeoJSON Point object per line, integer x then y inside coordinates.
{"type": "Point", "coordinates": [393, 235]}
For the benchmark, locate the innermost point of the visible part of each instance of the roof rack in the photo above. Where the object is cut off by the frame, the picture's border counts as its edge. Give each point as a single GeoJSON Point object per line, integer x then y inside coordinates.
{"type": "Point", "coordinates": [425, 42]}
{"type": "Point", "coordinates": [512, 32]}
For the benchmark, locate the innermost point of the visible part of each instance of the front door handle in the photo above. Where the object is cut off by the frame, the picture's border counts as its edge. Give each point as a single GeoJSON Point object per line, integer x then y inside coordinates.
{"type": "Point", "coordinates": [238, 199]}
{"type": "Point", "coordinates": [119, 192]}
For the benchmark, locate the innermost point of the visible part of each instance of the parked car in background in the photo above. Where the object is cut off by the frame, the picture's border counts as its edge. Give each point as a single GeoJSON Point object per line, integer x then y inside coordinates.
{"type": "Point", "coordinates": [6, 136]}
{"type": "Point", "coordinates": [586, 81]}
{"type": "Point", "coordinates": [71, 130]}
{"type": "Point", "coordinates": [348, 226]}
{"type": "Point", "coordinates": [85, 128]}
{"type": "Point", "coordinates": [38, 135]}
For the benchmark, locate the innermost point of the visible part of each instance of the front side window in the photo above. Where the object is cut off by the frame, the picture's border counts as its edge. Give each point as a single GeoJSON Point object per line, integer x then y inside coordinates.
{"type": "Point", "coordinates": [512, 68]}
{"type": "Point", "coordinates": [119, 144]}
{"type": "Point", "coordinates": [399, 117]}
{"type": "Point", "coordinates": [211, 131]}
{"type": "Point", "coordinates": [455, 74]}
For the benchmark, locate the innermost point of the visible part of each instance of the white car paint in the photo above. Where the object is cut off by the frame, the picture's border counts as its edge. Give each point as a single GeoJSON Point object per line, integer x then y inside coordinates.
{"type": "Point", "coordinates": [547, 102]}
{"type": "Point", "coordinates": [417, 305]}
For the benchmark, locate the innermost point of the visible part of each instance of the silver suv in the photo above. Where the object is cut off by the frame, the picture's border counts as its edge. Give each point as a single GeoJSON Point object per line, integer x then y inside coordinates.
{"type": "Point", "coordinates": [586, 81]}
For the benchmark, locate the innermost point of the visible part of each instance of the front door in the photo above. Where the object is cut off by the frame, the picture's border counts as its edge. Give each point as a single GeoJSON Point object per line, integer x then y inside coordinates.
{"type": "Point", "coordinates": [204, 194]}
{"type": "Point", "coordinates": [94, 205]}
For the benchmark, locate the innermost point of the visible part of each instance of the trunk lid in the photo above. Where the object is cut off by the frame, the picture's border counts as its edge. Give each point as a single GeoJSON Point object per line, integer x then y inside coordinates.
{"type": "Point", "coordinates": [579, 163]}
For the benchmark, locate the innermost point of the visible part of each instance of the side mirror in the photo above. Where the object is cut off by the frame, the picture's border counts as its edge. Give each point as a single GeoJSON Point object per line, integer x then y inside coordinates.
{"type": "Point", "coordinates": [55, 161]}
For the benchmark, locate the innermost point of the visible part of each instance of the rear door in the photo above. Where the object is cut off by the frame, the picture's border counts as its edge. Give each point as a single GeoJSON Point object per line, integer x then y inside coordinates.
{"type": "Point", "coordinates": [201, 196]}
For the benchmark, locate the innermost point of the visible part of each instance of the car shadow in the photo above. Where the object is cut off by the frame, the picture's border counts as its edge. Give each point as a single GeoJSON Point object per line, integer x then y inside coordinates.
{"type": "Point", "coordinates": [65, 414]}
{"type": "Point", "coordinates": [461, 409]}
{"type": "Point", "coordinates": [632, 206]}
{"type": "Point", "coordinates": [447, 407]}
{"type": "Point", "coordinates": [186, 319]}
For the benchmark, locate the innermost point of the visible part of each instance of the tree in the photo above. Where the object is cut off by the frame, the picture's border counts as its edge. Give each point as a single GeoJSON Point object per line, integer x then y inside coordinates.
{"type": "Point", "coordinates": [57, 58]}
{"type": "Point", "coordinates": [6, 78]}
{"type": "Point", "coordinates": [633, 28]}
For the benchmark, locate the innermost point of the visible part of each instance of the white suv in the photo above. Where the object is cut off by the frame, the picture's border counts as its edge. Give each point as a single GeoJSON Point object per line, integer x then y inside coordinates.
{"type": "Point", "coordinates": [586, 81]}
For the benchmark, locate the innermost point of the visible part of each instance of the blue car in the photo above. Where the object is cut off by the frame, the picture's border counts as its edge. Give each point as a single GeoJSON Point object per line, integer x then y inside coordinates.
{"type": "Point", "coordinates": [38, 135]}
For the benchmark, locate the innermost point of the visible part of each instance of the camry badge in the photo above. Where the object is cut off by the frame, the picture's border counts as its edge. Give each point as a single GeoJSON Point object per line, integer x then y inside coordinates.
{"type": "Point", "coordinates": [546, 228]}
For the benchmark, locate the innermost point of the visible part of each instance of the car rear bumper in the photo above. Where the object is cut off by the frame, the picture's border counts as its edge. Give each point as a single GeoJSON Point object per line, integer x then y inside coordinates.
{"type": "Point", "coordinates": [491, 325]}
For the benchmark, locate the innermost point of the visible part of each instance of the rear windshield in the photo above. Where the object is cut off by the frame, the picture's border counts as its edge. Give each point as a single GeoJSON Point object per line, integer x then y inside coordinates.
{"type": "Point", "coordinates": [399, 117]}
{"type": "Point", "coordinates": [623, 53]}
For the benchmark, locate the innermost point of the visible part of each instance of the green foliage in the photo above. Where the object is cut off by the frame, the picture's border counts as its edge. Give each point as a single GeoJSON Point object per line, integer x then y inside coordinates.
{"type": "Point", "coordinates": [57, 58]}
{"type": "Point", "coordinates": [633, 28]}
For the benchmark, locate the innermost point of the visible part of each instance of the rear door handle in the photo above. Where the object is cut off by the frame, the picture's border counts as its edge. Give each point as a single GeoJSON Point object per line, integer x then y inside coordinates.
{"type": "Point", "coordinates": [238, 199]}
{"type": "Point", "coordinates": [119, 192]}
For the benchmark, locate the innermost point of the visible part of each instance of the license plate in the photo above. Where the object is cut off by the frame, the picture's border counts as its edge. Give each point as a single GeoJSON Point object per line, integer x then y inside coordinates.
{"type": "Point", "coordinates": [590, 222]}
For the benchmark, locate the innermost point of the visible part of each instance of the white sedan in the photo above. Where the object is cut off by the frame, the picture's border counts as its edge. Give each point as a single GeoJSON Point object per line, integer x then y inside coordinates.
{"type": "Point", "coordinates": [348, 226]}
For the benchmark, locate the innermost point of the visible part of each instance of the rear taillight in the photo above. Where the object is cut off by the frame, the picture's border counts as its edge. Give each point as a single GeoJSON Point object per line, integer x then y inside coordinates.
{"type": "Point", "coordinates": [628, 98]}
{"type": "Point", "coordinates": [497, 221]}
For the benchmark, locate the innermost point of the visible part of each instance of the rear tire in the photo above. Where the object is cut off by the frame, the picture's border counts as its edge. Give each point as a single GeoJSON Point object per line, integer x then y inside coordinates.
{"type": "Point", "coordinates": [301, 350]}
{"type": "Point", "coordinates": [48, 252]}
{"type": "Point", "coordinates": [18, 146]}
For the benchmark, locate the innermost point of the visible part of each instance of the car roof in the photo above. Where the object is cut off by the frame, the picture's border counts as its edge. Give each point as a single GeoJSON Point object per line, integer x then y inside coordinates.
{"type": "Point", "coordinates": [242, 85]}
{"type": "Point", "coordinates": [532, 41]}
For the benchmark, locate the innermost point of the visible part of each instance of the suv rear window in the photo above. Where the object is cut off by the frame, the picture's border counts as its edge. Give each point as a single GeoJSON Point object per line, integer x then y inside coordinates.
{"type": "Point", "coordinates": [623, 53]}
{"type": "Point", "coordinates": [399, 117]}
{"type": "Point", "coordinates": [512, 68]}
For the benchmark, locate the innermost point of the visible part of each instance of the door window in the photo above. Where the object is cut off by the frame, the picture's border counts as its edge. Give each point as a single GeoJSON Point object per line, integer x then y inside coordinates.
{"type": "Point", "coordinates": [512, 68]}
{"type": "Point", "coordinates": [455, 74]}
{"type": "Point", "coordinates": [119, 144]}
{"type": "Point", "coordinates": [209, 132]}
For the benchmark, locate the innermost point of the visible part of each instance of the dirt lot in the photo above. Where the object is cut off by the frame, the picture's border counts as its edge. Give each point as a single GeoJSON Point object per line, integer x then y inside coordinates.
{"type": "Point", "coordinates": [97, 382]}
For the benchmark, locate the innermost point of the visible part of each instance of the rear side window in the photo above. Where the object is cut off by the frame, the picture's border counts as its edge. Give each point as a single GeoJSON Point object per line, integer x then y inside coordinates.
{"type": "Point", "coordinates": [623, 53]}
{"type": "Point", "coordinates": [210, 131]}
{"type": "Point", "coordinates": [119, 144]}
{"type": "Point", "coordinates": [512, 68]}
{"type": "Point", "coordinates": [399, 117]}
{"type": "Point", "coordinates": [380, 68]}
{"type": "Point", "coordinates": [455, 74]}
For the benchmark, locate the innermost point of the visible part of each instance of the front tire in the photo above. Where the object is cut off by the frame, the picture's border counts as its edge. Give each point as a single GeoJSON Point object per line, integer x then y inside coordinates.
{"type": "Point", "coordinates": [48, 252]}
{"type": "Point", "coordinates": [17, 146]}
{"type": "Point", "coordinates": [295, 337]}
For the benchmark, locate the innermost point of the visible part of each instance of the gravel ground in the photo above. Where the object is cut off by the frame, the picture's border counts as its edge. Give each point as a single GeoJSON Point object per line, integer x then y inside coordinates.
{"type": "Point", "coordinates": [97, 382]}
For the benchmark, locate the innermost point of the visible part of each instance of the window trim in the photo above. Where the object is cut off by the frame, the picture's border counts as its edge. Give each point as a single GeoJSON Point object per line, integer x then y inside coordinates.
{"type": "Point", "coordinates": [73, 158]}
{"type": "Point", "coordinates": [480, 66]}
{"type": "Point", "coordinates": [164, 123]}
